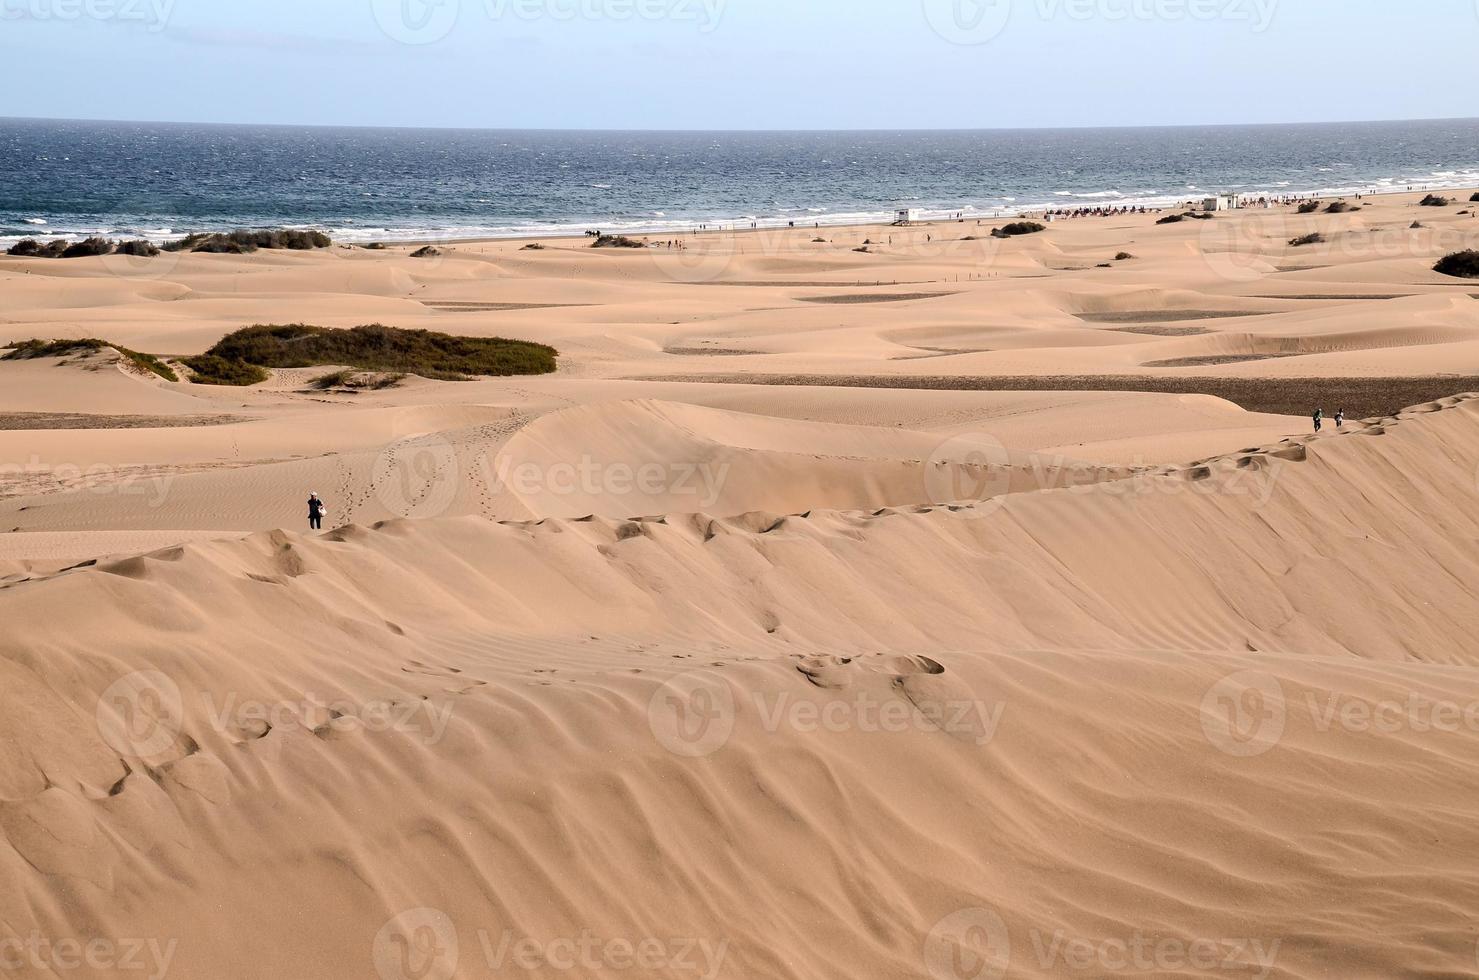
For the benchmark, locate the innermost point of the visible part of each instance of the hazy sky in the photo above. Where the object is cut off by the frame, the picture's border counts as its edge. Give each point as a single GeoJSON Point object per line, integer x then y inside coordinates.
{"type": "Point", "coordinates": [740, 64]}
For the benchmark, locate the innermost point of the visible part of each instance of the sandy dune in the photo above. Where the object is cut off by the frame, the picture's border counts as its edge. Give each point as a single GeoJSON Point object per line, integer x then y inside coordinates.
{"type": "Point", "coordinates": [684, 678]}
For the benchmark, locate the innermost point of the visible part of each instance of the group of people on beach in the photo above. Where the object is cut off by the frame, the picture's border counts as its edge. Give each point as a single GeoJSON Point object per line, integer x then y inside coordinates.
{"type": "Point", "coordinates": [1320, 419]}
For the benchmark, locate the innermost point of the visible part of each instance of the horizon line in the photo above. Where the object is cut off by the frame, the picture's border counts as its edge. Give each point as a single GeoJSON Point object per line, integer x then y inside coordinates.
{"type": "Point", "coordinates": [872, 129]}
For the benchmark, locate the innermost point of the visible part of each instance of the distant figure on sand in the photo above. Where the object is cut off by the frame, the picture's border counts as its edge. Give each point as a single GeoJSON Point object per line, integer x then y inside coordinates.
{"type": "Point", "coordinates": [1340, 419]}
{"type": "Point", "coordinates": [315, 512]}
{"type": "Point", "coordinates": [1319, 419]}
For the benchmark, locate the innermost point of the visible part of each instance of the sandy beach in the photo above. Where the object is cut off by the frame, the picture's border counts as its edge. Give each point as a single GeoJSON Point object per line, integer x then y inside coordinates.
{"type": "Point", "coordinates": [958, 605]}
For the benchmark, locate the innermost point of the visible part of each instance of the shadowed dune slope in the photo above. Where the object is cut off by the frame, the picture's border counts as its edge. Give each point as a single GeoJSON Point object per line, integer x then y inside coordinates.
{"type": "Point", "coordinates": [905, 715]}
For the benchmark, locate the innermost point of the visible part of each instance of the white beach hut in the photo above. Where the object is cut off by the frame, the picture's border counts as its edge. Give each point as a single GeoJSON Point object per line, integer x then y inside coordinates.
{"type": "Point", "coordinates": [1219, 203]}
{"type": "Point", "coordinates": [906, 216]}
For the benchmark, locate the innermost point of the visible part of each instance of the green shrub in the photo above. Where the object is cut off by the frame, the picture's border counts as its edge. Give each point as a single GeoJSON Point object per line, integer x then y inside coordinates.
{"type": "Point", "coordinates": [209, 369]}
{"type": "Point", "coordinates": [31, 249]}
{"type": "Point", "coordinates": [244, 241]}
{"type": "Point", "coordinates": [1313, 238]}
{"type": "Point", "coordinates": [426, 252]}
{"type": "Point", "coordinates": [140, 247]}
{"type": "Point", "coordinates": [1309, 207]}
{"type": "Point", "coordinates": [26, 349]}
{"type": "Point", "coordinates": [1017, 228]}
{"type": "Point", "coordinates": [1338, 207]}
{"type": "Point", "coordinates": [88, 247]}
{"type": "Point", "coordinates": [1465, 264]}
{"type": "Point", "coordinates": [616, 241]}
{"type": "Point", "coordinates": [143, 363]}
{"type": "Point", "coordinates": [1122, 256]}
{"type": "Point", "coordinates": [1434, 201]}
{"type": "Point", "coordinates": [375, 347]}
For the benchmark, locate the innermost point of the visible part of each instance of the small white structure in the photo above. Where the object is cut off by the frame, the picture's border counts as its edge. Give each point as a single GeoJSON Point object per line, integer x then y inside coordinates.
{"type": "Point", "coordinates": [906, 216]}
{"type": "Point", "coordinates": [1219, 204]}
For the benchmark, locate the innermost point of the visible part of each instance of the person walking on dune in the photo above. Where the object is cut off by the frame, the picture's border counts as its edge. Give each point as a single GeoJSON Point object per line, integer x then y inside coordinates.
{"type": "Point", "coordinates": [1340, 419]}
{"type": "Point", "coordinates": [1319, 419]}
{"type": "Point", "coordinates": [315, 512]}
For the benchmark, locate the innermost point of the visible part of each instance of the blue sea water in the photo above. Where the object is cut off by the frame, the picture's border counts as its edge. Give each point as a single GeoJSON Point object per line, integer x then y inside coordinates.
{"type": "Point", "coordinates": [159, 180]}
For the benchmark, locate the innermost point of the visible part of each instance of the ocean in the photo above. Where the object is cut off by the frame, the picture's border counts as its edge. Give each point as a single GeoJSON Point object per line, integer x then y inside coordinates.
{"type": "Point", "coordinates": [162, 180]}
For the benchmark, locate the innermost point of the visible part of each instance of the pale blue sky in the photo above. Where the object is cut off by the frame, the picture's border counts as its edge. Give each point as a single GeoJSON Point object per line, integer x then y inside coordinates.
{"type": "Point", "coordinates": [741, 64]}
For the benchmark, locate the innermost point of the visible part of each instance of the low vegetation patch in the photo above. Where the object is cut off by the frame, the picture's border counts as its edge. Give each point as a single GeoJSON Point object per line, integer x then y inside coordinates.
{"type": "Point", "coordinates": [1338, 207]}
{"type": "Point", "coordinates": [426, 252]}
{"type": "Point", "coordinates": [1313, 238]}
{"type": "Point", "coordinates": [533, 247]}
{"type": "Point", "coordinates": [1169, 219]}
{"type": "Point", "coordinates": [373, 347]}
{"type": "Point", "coordinates": [141, 362]}
{"type": "Point", "coordinates": [1017, 228]}
{"type": "Point", "coordinates": [1309, 207]}
{"type": "Point", "coordinates": [1122, 256]}
{"type": "Point", "coordinates": [1434, 201]}
{"type": "Point", "coordinates": [243, 241]}
{"type": "Point", "coordinates": [62, 249]}
{"type": "Point", "coordinates": [29, 248]}
{"type": "Point", "coordinates": [1416, 224]}
{"type": "Point", "coordinates": [616, 241]}
{"type": "Point", "coordinates": [1465, 264]}
{"type": "Point", "coordinates": [210, 369]}
{"type": "Point", "coordinates": [139, 247]}
{"type": "Point", "coordinates": [358, 380]}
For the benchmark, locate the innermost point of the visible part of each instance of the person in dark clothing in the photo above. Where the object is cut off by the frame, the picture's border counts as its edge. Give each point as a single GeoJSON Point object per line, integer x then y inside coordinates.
{"type": "Point", "coordinates": [1319, 419]}
{"type": "Point", "coordinates": [315, 512]}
